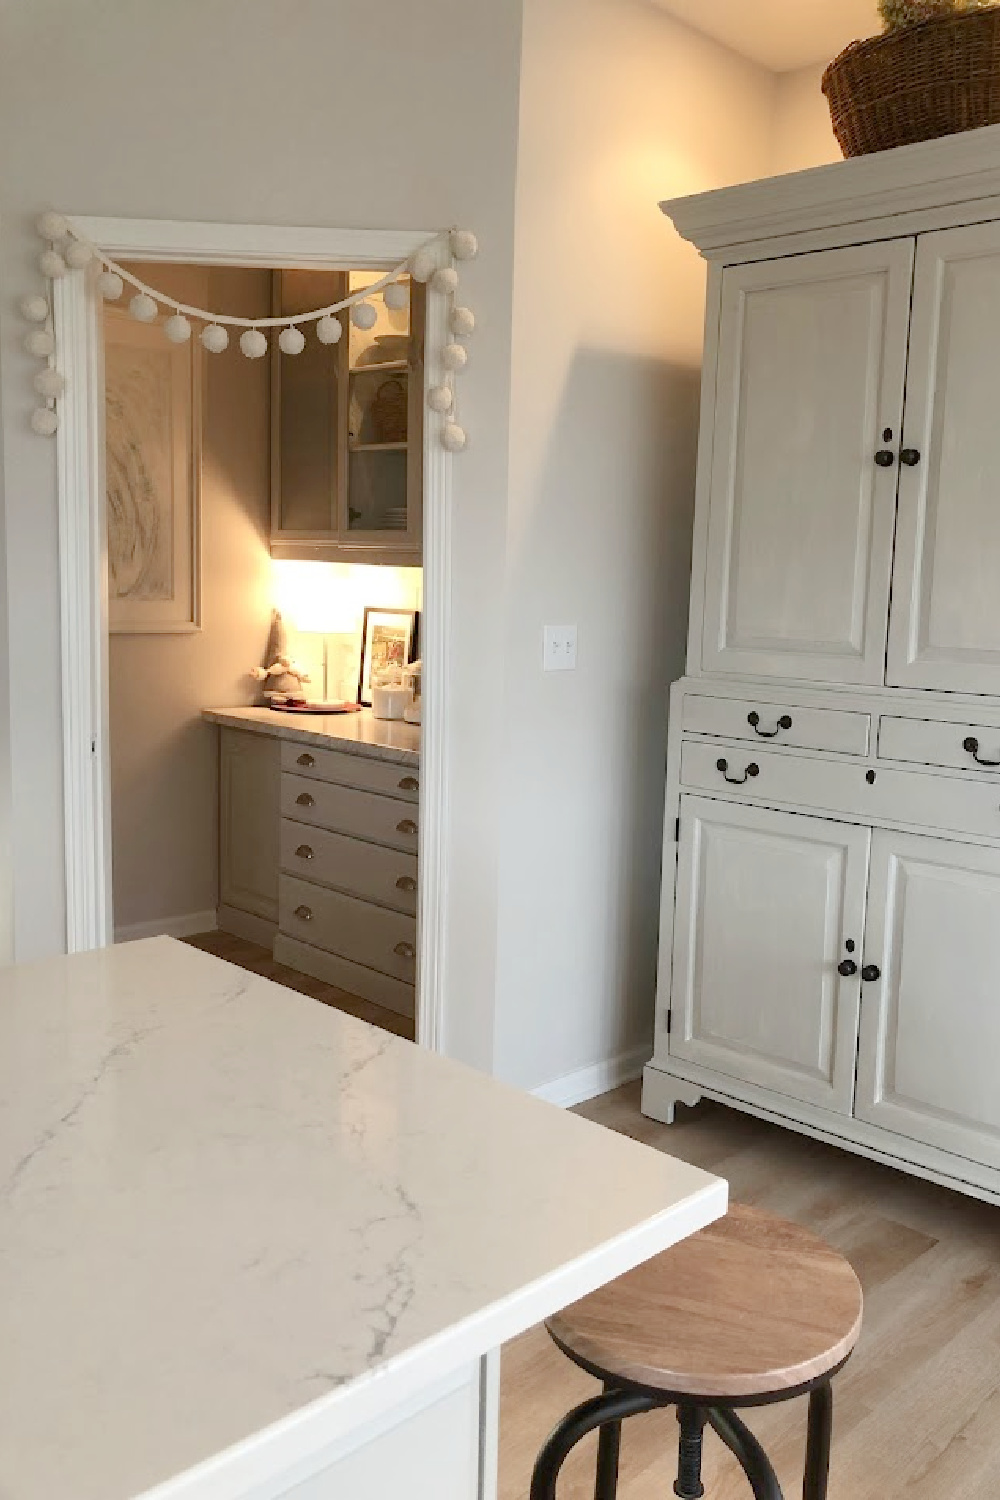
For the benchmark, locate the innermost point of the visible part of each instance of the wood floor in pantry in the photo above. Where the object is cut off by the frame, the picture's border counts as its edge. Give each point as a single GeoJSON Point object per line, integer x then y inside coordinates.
{"type": "Point", "coordinates": [917, 1410]}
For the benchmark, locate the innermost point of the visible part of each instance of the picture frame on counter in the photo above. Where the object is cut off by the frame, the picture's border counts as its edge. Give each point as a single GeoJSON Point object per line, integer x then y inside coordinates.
{"type": "Point", "coordinates": [388, 640]}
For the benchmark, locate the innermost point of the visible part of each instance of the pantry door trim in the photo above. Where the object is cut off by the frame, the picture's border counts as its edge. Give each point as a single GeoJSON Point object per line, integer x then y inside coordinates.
{"type": "Point", "coordinates": [83, 562]}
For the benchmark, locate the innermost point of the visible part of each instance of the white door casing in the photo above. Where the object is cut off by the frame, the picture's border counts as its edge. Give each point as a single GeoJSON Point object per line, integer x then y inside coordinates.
{"type": "Point", "coordinates": [811, 366]}
{"type": "Point", "coordinates": [766, 902]}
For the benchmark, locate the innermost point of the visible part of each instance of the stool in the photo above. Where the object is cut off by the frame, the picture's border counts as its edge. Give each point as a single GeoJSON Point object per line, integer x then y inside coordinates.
{"type": "Point", "coordinates": [751, 1311]}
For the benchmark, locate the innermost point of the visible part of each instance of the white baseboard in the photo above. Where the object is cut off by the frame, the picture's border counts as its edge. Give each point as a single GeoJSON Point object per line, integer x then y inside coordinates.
{"type": "Point", "coordinates": [178, 927]}
{"type": "Point", "coordinates": [599, 1078]}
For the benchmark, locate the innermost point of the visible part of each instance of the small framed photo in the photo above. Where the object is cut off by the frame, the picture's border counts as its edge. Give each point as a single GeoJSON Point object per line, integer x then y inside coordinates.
{"type": "Point", "coordinates": [388, 641]}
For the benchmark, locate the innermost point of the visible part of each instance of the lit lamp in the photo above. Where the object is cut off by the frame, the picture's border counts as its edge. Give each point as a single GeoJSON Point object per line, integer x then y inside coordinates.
{"type": "Point", "coordinates": [316, 600]}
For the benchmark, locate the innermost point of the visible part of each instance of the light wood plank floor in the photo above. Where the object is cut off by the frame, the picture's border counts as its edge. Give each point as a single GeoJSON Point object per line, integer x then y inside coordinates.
{"type": "Point", "coordinates": [917, 1410]}
{"type": "Point", "coordinates": [260, 961]}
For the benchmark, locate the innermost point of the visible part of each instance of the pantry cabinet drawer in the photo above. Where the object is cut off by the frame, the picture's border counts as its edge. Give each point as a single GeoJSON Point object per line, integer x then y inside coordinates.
{"type": "Point", "coordinates": [343, 809]}
{"type": "Point", "coordinates": [837, 786]}
{"type": "Point", "coordinates": [785, 724]}
{"type": "Point", "coordinates": [357, 930]}
{"type": "Point", "coordinates": [359, 771]}
{"type": "Point", "coordinates": [932, 742]}
{"type": "Point", "coordinates": [358, 868]}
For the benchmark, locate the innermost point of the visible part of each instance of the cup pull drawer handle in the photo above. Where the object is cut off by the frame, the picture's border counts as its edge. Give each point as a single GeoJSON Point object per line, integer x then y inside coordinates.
{"type": "Point", "coordinates": [972, 746]}
{"type": "Point", "coordinates": [405, 950]}
{"type": "Point", "coordinates": [304, 852]}
{"type": "Point", "coordinates": [409, 784]}
{"type": "Point", "coordinates": [406, 825]}
{"type": "Point", "coordinates": [304, 913]}
{"type": "Point", "coordinates": [306, 760]}
{"type": "Point", "coordinates": [785, 722]}
{"type": "Point", "coordinates": [752, 770]}
{"type": "Point", "coordinates": [305, 799]}
{"type": "Point", "coordinates": [406, 883]}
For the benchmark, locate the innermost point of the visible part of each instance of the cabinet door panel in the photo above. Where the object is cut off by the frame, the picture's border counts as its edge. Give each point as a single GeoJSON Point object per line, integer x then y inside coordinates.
{"type": "Point", "coordinates": [811, 366]}
{"type": "Point", "coordinates": [945, 629]}
{"type": "Point", "coordinates": [248, 822]}
{"type": "Point", "coordinates": [765, 903]}
{"type": "Point", "coordinates": [930, 1029]}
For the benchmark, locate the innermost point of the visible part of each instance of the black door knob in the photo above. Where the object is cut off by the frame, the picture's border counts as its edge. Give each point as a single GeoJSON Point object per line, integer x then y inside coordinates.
{"type": "Point", "coordinates": [885, 458]}
{"type": "Point", "coordinates": [910, 457]}
{"type": "Point", "coordinates": [870, 973]}
{"type": "Point", "coordinates": [847, 969]}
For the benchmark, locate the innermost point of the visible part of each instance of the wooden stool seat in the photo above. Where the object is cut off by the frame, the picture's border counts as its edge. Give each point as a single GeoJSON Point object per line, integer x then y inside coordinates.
{"type": "Point", "coordinates": [745, 1311]}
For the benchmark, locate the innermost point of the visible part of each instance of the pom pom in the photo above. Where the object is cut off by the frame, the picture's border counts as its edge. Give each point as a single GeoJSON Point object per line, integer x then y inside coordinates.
{"type": "Point", "coordinates": [397, 296]}
{"type": "Point", "coordinates": [253, 343]}
{"type": "Point", "coordinates": [77, 255]}
{"type": "Point", "coordinates": [464, 245]}
{"type": "Point", "coordinates": [363, 315]}
{"type": "Point", "coordinates": [49, 383]}
{"type": "Point", "coordinates": [291, 341]}
{"type": "Point", "coordinates": [44, 421]}
{"type": "Point", "coordinates": [445, 281]}
{"type": "Point", "coordinates": [142, 308]}
{"type": "Point", "coordinates": [454, 357]}
{"type": "Point", "coordinates": [215, 338]}
{"type": "Point", "coordinates": [51, 264]}
{"type": "Point", "coordinates": [422, 265]}
{"type": "Point", "coordinates": [34, 309]}
{"type": "Point", "coordinates": [110, 285]}
{"type": "Point", "coordinates": [462, 321]}
{"type": "Point", "coordinates": [51, 226]}
{"type": "Point", "coordinates": [177, 329]}
{"type": "Point", "coordinates": [453, 437]}
{"type": "Point", "coordinates": [40, 343]}
{"type": "Point", "coordinates": [329, 329]}
{"type": "Point", "coordinates": [439, 398]}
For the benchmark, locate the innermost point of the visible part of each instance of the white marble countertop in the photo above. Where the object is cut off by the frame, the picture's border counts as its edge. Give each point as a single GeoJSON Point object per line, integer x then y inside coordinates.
{"type": "Point", "coordinates": [234, 1223]}
{"type": "Point", "coordinates": [355, 734]}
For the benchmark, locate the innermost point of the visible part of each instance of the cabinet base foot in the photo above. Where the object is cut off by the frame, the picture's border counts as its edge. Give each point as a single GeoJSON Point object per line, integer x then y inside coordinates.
{"type": "Point", "coordinates": [661, 1094]}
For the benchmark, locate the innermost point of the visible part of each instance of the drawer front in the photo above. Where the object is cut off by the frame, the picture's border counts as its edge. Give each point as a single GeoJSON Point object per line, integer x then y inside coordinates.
{"type": "Point", "coordinates": [836, 786]}
{"type": "Point", "coordinates": [782, 723]}
{"type": "Point", "coordinates": [366, 934]}
{"type": "Point", "coordinates": [359, 771]}
{"type": "Point", "coordinates": [360, 869]}
{"type": "Point", "coordinates": [969, 747]}
{"type": "Point", "coordinates": [344, 809]}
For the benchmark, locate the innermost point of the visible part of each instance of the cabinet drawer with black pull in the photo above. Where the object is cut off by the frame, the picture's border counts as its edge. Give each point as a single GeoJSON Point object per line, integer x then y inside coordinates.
{"type": "Point", "coordinates": [781, 723]}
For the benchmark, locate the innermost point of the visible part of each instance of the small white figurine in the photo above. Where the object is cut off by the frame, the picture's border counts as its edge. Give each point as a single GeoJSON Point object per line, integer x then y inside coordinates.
{"type": "Point", "coordinates": [284, 677]}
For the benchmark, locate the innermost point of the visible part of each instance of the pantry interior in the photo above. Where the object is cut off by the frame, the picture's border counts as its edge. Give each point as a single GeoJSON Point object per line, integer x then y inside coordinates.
{"type": "Point", "coordinates": [241, 490]}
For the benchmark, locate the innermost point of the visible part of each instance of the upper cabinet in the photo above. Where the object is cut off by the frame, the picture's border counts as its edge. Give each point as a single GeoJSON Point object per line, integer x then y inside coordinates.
{"type": "Point", "coordinates": [809, 397]}
{"type": "Point", "coordinates": [347, 429]}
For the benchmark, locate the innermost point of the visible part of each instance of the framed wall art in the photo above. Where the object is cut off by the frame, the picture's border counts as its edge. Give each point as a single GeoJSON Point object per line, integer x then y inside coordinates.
{"type": "Point", "coordinates": [388, 640]}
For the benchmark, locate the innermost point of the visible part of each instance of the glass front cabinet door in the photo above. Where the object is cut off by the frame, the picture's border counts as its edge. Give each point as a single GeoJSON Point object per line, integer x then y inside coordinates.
{"type": "Point", "coordinates": [347, 428]}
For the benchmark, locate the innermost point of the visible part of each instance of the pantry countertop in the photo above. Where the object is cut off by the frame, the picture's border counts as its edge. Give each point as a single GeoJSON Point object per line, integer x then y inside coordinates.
{"type": "Point", "coordinates": [354, 734]}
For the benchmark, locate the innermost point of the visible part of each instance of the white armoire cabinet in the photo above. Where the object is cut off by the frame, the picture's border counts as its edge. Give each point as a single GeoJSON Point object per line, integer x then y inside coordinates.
{"type": "Point", "coordinates": [830, 919]}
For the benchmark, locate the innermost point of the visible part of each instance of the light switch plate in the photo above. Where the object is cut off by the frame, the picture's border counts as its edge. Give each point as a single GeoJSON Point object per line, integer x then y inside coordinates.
{"type": "Point", "coordinates": [559, 648]}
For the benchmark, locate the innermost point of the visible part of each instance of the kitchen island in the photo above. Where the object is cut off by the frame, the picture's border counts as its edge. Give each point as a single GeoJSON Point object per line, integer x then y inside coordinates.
{"type": "Point", "coordinates": [251, 1247]}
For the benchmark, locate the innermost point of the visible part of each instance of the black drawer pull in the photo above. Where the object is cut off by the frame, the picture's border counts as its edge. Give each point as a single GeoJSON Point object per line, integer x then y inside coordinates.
{"type": "Point", "coordinates": [870, 973]}
{"type": "Point", "coordinates": [305, 799]}
{"type": "Point", "coordinates": [409, 784]}
{"type": "Point", "coordinates": [406, 825]}
{"type": "Point", "coordinates": [785, 722]}
{"type": "Point", "coordinates": [303, 852]}
{"type": "Point", "coordinates": [406, 883]}
{"type": "Point", "coordinates": [752, 770]}
{"type": "Point", "coordinates": [306, 760]}
{"type": "Point", "coordinates": [972, 746]}
{"type": "Point", "coordinates": [910, 457]}
{"type": "Point", "coordinates": [847, 969]}
{"type": "Point", "coordinates": [885, 458]}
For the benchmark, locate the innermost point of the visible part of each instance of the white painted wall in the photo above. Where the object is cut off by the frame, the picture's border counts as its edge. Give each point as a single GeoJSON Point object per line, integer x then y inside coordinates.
{"type": "Point", "coordinates": [620, 106]}
{"type": "Point", "coordinates": [368, 114]}
{"type": "Point", "coordinates": [802, 135]}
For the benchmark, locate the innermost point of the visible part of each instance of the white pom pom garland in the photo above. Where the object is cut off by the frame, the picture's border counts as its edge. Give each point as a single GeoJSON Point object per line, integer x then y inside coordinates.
{"type": "Point", "coordinates": [462, 321]}
{"type": "Point", "coordinates": [77, 255]}
{"type": "Point", "coordinates": [177, 329]}
{"type": "Point", "coordinates": [44, 421]}
{"type": "Point", "coordinates": [110, 285]}
{"type": "Point", "coordinates": [253, 343]}
{"type": "Point", "coordinates": [142, 308]}
{"type": "Point", "coordinates": [440, 398]}
{"type": "Point", "coordinates": [49, 383]}
{"type": "Point", "coordinates": [422, 265]}
{"type": "Point", "coordinates": [51, 226]}
{"type": "Point", "coordinates": [464, 245]}
{"type": "Point", "coordinates": [329, 329]}
{"type": "Point", "coordinates": [453, 437]}
{"type": "Point", "coordinates": [445, 281]}
{"type": "Point", "coordinates": [454, 356]}
{"type": "Point", "coordinates": [363, 315]}
{"type": "Point", "coordinates": [51, 264]}
{"type": "Point", "coordinates": [397, 296]}
{"type": "Point", "coordinates": [34, 309]}
{"type": "Point", "coordinates": [215, 338]}
{"type": "Point", "coordinates": [291, 341]}
{"type": "Point", "coordinates": [40, 343]}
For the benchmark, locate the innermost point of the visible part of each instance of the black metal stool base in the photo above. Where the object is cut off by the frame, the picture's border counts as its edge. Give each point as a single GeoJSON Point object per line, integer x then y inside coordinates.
{"type": "Point", "coordinates": [607, 1412]}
